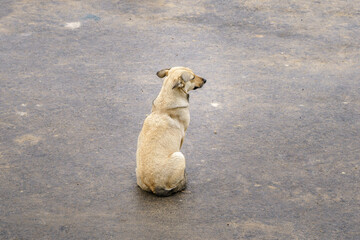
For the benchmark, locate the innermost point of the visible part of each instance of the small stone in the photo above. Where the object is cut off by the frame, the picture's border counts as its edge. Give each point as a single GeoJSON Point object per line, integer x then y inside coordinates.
{"type": "Point", "coordinates": [73, 25]}
{"type": "Point", "coordinates": [215, 104]}
{"type": "Point", "coordinates": [23, 114]}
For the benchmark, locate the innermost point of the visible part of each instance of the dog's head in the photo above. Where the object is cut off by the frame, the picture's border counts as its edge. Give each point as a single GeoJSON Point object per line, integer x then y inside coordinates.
{"type": "Point", "coordinates": [181, 78]}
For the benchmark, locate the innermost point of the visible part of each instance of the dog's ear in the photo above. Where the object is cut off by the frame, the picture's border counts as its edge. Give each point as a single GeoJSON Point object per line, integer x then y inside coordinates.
{"type": "Point", "coordinates": [186, 76]}
{"type": "Point", "coordinates": [178, 84]}
{"type": "Point", "coordinates": [163, 73]}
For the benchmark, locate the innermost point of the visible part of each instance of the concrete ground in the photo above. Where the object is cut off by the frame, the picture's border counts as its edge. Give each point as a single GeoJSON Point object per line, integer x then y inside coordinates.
{"type": "Point", "coordinates": [273, 147]}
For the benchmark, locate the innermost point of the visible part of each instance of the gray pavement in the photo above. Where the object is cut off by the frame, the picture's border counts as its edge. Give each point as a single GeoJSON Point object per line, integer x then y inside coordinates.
{"type": "Point", "coordinates": [273, 146]}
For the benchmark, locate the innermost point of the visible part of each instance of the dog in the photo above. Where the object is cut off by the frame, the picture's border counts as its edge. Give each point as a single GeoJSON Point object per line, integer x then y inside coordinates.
{"type": "Point", "coordinates": [160, 166]}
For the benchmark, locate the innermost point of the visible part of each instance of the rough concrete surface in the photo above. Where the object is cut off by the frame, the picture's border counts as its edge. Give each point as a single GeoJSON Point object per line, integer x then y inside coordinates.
{"type": "Point", "coordinates": [273, 146]}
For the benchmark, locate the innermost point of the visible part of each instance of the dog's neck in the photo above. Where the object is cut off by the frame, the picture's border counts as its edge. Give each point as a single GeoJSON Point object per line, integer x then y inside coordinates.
{"type": "Point", "coordinates": [171, 100]}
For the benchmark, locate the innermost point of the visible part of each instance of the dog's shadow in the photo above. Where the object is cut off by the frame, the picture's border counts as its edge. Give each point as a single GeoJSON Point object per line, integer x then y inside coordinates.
{"type": "Point", "coordinates": [145, 199]}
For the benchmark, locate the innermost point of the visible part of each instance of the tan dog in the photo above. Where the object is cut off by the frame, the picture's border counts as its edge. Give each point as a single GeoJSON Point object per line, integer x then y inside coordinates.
{"type": "Point", "coordinates": [160, 166]}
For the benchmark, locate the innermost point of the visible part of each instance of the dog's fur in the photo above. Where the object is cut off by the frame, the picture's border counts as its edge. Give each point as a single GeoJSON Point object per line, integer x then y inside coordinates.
{"type": "Point", "coordinates": [160, 166]}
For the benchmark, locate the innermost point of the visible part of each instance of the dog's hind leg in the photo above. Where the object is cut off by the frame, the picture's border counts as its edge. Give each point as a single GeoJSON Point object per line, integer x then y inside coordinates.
{"type": "Point", "coordinates": [176, 180]}
{"type": "Point", "coordinates": [176, 171]}
{"type": "Point", "coordinates": [175, 177]}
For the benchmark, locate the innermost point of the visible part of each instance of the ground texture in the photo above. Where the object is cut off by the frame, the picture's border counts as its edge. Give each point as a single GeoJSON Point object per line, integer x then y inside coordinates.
{"type": "Point", "coordinates": [273, 147]}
